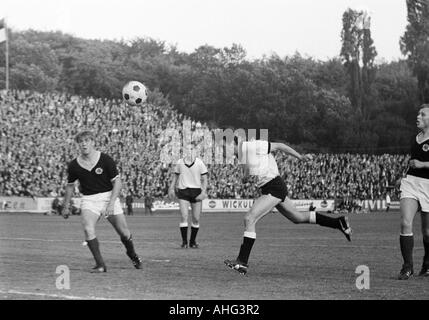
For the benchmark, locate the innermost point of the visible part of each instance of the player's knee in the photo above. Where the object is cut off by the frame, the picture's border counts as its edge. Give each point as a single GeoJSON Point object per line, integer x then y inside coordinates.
{"type": "Point", "coordinates": [249, 219]}
{"type": "Point", "coordinates": [89, 232]}
{"type": "Point", "coordinates": [124, 233]}
{"type": "Point", "coordinates": [406, 224]}
{"type": "Point", "coordinates": [406, 227]}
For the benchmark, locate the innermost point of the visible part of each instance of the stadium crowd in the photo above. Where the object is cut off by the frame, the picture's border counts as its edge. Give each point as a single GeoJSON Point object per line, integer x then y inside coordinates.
{"type": "Point", "coordinates": [37, 132]}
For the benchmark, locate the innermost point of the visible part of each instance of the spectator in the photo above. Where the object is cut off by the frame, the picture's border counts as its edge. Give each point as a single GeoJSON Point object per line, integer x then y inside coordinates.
{"type": "Point", "coordinates": [129, 203]}
{"type": "Point", "coordinates": [148, 203]}
{"type": "Point", "coordinates": [387, 202]}
{"type": "Point", "coordinates": [36, 130]}
{"type": "Point", "coordinates": [56, 206]}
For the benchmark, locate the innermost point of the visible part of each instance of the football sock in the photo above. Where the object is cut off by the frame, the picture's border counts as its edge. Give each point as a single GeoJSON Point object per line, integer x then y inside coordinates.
{"type": "Point", "coordinates": [128, 243]}
{"type": "Point", "coordinates": [426, 246]}
{"type": "Point", "coordinates": [194, 231]}
{"type": "Point", "coordinates": [248, 241]}
{"type": "Point", "coordinates": [407, 245]}
{"type": "Point", "coordinates": [184, 232]}
{"type": "Point", "coordinates": [95, 250]}
{"type": "Point", "coordinates": [326, 221]}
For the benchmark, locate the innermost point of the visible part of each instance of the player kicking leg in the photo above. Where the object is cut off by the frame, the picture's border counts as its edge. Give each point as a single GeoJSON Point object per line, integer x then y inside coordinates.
{"type": "Point", "coordinates": [264, 205]}
{"type": "Point", "coordinates": [288, 210]}
{"type": "Point", "coordinates": [260, 208]}
{"type": "Point", "coordinates": [258, 161]}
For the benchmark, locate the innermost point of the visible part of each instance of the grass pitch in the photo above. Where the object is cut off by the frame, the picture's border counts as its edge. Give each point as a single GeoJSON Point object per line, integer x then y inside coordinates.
{"type": "Point", "coordinates": [287, 262]}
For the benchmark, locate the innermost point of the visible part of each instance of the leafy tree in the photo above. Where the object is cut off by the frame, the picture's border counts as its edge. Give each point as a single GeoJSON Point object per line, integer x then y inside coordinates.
{"type": "Point", "coordinates": [298, 99]}
{"type": "Point", "coordinates": [415, 44]}
{"type": "Point", "coordinates": [358, 53]}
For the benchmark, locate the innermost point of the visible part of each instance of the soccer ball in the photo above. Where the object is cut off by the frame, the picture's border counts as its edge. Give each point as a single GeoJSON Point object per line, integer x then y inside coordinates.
{"type": "Point", "coordinates": [134, 93]}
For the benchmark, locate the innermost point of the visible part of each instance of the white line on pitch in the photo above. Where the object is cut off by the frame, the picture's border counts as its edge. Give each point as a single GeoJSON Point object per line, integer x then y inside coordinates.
{"type": "Point", "coordinates": [52, 240]}
{"type": "Point", "coordinates": [337, 246]}
{"type": "Point", "coordinates": [49, 295]}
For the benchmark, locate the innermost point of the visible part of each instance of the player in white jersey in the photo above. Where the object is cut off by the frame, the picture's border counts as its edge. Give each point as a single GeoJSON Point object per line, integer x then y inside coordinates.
{"type": "Point", "coordinates": [188, 173]}
{"type": "Point", "coordinates": [100, 184]}
{"type": "Point", "coordinates": [257, 158]}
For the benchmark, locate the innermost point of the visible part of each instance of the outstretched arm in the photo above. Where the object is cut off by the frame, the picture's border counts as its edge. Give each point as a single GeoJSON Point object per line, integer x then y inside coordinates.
{"type": "Point", "coordinates": [288, 150]}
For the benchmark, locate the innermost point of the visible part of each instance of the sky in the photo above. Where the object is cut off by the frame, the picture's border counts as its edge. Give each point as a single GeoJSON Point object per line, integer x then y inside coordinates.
{"type": "Point", "coordinates": [261, 27]}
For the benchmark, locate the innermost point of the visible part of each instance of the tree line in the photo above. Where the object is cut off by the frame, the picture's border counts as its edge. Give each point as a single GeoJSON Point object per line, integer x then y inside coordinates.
{"type": "Point", "coordinates": [349, 103]}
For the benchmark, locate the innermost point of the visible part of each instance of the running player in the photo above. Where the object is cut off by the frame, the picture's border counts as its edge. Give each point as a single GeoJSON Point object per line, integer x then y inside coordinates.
{"type": "Point", "coordinates": [258, 161]}
{"type": "Point", "coordinates": [188, 172]}
{"type": "Point", "coordinates": [415, 197]}
{"type": "Point", "coordinates": [100, 184]}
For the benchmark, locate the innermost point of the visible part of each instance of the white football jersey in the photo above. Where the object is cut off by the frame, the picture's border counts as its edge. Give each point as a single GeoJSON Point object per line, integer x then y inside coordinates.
{"type": "Point", "coordinates": [256, 155]}
{"type": "Point", "coordinates": [190, 175]}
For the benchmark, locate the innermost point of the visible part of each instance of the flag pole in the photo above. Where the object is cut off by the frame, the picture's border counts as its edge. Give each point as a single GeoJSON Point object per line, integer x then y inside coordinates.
{"type": "Point", "coordinates": [7, 56]}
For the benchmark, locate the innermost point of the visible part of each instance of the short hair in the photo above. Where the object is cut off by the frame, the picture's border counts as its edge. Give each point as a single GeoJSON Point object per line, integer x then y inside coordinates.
{"type": "Point", "coordinates": [424, 105]}
{"type": "Point", "coordinates": [84, 134]}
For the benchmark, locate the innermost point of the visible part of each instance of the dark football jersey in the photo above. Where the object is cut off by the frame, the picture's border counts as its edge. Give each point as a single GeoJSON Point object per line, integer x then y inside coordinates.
{"type": "Point", "coordinates": [419, 151]}
{"type": "Point", "coordinates": [98, 180]}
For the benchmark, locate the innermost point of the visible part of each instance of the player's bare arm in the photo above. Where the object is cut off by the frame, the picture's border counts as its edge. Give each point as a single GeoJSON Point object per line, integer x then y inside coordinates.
{"type": "Point", "coordinates": [204, 184]}
{"type": "Point", "coordinates": [117, 185]}
{"type": "Point", "coordinates": [290, 151]}
{"type": "Point", "coordinates": [416, 164]}
{"type": "Point", "coordinates": [67, 197]}
{"type": "Point", "coordinates": [171, 190]}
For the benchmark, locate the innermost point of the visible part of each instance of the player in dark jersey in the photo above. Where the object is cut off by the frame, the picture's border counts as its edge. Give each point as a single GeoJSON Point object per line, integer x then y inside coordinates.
{"type": "Point", "coordinates": [415, 197]}
{"type": "Point", "coordinates": [100, 185]}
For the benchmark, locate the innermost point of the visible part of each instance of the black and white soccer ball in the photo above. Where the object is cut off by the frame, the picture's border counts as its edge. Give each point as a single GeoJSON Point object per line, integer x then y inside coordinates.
{"type": "Point", "coordinates": [134, 93]}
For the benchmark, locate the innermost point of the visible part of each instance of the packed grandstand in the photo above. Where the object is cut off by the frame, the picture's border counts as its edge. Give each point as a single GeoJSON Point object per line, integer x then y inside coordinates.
{"type": "Point", "coordinates": [37, 132]}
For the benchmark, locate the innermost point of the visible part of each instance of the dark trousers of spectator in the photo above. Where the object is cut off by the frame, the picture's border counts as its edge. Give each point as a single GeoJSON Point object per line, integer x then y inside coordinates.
{"type": "Point", "coordinates": [129, 210]}
{"type": "Point", "coordinates": [388, 207]}
{"type": "Point", "coordinates": [148, 210]}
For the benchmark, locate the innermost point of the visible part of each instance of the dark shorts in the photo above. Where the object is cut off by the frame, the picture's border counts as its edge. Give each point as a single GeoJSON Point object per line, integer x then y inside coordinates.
{"type": "Point", "coordinates": [189, 194]}
{"type": "Point", "coordinates": [276, 187]}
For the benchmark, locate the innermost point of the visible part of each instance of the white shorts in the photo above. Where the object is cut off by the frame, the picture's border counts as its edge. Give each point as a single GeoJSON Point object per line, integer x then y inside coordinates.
{"type": "Point", "coordinates": [416, 188]}
{"type": "Point", "coordinates": [97, 203]}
